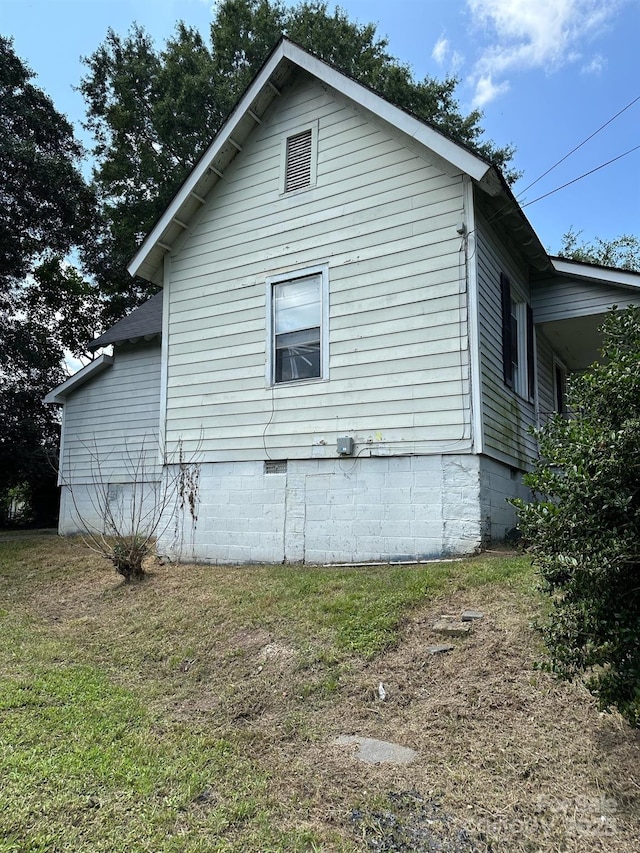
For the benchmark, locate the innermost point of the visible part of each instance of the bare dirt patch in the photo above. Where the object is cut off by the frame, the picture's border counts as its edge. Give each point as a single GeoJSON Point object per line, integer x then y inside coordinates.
{"type": "Point", "coordinates": [507, 755]}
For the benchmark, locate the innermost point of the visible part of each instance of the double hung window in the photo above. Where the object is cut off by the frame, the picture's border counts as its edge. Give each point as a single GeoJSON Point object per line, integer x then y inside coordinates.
{"type": "Point", "coordinates": [518, 357]}
{"type": "Point", "coordinates": [297, 321]}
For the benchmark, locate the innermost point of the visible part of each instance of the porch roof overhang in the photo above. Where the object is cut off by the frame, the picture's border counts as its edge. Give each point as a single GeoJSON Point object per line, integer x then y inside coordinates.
{"type": "Point", "coordinates": [570, 304]}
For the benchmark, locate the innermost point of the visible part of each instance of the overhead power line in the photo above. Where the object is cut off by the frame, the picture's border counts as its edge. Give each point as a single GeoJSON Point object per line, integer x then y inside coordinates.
{"type": "Point", "coordinates": [575, 180]}
{"type": "Point", "coordinates": [573, 150]}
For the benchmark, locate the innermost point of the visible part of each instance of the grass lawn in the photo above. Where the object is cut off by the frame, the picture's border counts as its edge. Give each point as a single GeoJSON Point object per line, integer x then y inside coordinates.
{"type": "Point", "coordinates": [197, 711]}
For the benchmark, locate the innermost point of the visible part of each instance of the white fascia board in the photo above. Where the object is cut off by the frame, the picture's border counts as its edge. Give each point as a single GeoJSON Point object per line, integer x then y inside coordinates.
{"type": "Point", "coordinates": [59, 394]}
{"type": "Point", "coordinates": [458, 156]}
{"type": "Point", "coordinates": [200, 169]}
{"type": "Point", "coordinates": [603, 275]}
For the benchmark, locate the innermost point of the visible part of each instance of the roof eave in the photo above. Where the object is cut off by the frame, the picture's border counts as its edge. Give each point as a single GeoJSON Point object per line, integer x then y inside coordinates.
{"type": "Point", "coordinates": [596, 273]}
{"type": "Point", "coordinates": [93, 346]}
{"type": "Point", "coordinates": [171, 214]}
{"type": "Point", "coordinates": [62, 391]}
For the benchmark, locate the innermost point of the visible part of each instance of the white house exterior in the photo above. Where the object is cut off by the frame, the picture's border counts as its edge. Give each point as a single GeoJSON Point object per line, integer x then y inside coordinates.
{"type": "Point", "coordinates": [358, 328]}
{"type": "Point", "coordinates": [111, 412]}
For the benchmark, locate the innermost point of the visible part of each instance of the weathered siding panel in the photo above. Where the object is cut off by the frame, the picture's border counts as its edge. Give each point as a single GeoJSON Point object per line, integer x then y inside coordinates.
{"type": "Point", "coordinates": [506, 415]}
{"type": "Point", "coordinates": [384, 221]}
{"type": "Point", "coordinates": [109, 421]}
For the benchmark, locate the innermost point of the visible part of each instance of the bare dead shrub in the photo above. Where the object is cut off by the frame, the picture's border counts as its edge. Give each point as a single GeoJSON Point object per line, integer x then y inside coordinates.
{"type": "Point", "coordinates": [127, 517]}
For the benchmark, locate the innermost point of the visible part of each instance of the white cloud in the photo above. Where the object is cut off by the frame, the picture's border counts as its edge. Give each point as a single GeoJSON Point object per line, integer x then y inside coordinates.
{"type": "Point", "coordinates": [440, 50]}
{"type": "Point", "coordinates": [457, 61]}
{"type": "Point", "coordinates": [532, 34]}
{"type": "Point", "coordinates": [487, 90]}
{"type": "Point", "coordinates": [442, 54]}
{"type": "Point", "coordinates": [596, 66]}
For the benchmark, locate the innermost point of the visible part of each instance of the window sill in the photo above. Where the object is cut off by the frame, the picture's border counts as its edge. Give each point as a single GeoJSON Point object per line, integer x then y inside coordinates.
{"type": "Point", "coordinates": [295, 382]}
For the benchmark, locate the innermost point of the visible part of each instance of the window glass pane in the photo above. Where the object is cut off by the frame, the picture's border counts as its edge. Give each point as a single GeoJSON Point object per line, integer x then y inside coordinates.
{"type": "Point", "coordinates": [298, 355]}
{"type": "Point", "coordinates": [560, 383]}
{"type": "Point", "coordinates": [515, 337]}
{"type": "Point", "coordinates": [296, 305]}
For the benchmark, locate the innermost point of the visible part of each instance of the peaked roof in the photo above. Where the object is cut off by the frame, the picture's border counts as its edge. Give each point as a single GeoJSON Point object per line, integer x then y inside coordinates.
{"type": "Point", "coordinates": [144, 322]}
{"type": "Point", "coordinates": [286, 59]}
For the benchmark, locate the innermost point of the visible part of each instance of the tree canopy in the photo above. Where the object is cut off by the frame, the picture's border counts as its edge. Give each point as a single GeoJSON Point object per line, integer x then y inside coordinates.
{"type": "Point", "coordinates": [45, 213]}
{"type": "Point", "coordinates": [152, 112]}
{"type": "Point", "coordinates": [622, 252]}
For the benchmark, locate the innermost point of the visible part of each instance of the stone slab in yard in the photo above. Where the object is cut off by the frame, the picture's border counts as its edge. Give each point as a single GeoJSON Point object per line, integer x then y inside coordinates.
{"type": "Point", "coordinates": [373, 751]}
{"type": "Point", "coordinates": [438, 650]}
{"type": "Point", "coordinates": [452, 628]}
{"type": "Point", "coordinates": [471, 615]}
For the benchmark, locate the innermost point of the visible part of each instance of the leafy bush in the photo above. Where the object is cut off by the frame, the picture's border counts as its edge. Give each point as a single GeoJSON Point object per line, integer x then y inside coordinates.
{"type": "Point", "coordinates": [583, 527]}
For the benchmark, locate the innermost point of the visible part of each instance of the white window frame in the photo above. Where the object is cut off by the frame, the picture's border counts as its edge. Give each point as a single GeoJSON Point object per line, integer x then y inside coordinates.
{"type": "Point", "coordinates": [557, 392]}
{"type": "Point", "coordinates": [296, 275]}
{"type": "Point", "coordinates": [520, 372]}
{"type": "Point", "coordinates": [313, 127]}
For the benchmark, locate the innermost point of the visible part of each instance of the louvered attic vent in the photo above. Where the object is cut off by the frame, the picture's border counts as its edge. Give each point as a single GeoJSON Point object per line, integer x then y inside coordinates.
{"type": "Point", "coordinates": [298, 165]}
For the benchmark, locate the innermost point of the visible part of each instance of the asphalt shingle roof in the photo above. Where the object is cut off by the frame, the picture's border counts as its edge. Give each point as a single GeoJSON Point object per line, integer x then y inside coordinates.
{"type": "Point", "coordinates": [143, 322]}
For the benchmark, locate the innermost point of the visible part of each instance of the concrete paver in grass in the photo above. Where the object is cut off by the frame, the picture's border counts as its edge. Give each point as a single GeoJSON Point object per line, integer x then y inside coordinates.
{"type": "Point", "coordinates": [373, 751]}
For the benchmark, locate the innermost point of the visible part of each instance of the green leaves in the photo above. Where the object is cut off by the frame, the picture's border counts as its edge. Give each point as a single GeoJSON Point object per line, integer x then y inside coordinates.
{"type": "Point", "coordinates": [584, 527]}
{"type": "Point", "coordinates": [622, 252]}
{"type": "Point", "coordinates": [45, 204]}
{"type": "Point", "coordinates": [46, 211]}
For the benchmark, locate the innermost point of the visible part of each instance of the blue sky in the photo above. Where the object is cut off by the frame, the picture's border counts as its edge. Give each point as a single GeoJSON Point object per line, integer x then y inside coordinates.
{"type": "Point", "coordinates": [546, 73]}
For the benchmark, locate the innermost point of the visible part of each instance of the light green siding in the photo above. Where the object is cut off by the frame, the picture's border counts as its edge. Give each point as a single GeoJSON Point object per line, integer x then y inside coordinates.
{"type": "Point", "coordinates": [506, 415]}
{"type": "Point", "coordinates": [384, 221]}
{"type": "Point", "coordinates": [111, 422]}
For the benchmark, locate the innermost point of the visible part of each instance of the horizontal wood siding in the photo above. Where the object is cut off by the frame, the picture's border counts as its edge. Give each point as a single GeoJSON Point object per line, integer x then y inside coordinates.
{"type": "Point", "coordinates": [111, 422]}
{"type": "Point", "coordinates": [545, 368]}
{"type": "Point", "coordinates": [384, 221]}
{"type": "Point", "coordinates": [561, 299]}
{"type": "Point", "coordinates": [506, 416]}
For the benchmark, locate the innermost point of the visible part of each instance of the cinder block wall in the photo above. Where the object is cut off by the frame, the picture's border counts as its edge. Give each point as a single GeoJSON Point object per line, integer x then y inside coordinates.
{"type": "Point", "coordinates": [498, 483]}
{"type": "Point", "coordinates": [334, 510]}
{"type": "Point", "coordinates": [85, 507]}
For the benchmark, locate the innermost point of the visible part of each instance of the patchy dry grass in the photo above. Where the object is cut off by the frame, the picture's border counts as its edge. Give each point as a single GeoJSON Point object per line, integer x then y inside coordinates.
{"type": "Point", "coordinates": [197, 712]}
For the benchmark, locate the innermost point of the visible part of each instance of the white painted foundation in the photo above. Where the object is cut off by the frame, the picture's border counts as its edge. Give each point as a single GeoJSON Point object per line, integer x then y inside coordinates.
{"type": "Point", "coordinates": [335, 510]}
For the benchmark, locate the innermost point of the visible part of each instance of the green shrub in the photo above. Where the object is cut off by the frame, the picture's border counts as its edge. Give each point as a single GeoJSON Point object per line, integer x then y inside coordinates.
{"type": "Point", "coordinates": [583, 528]}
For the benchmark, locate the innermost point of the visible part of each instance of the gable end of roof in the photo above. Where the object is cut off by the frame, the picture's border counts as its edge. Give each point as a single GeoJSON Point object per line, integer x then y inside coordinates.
{"type": "Point", "coordinates": [284, 61]}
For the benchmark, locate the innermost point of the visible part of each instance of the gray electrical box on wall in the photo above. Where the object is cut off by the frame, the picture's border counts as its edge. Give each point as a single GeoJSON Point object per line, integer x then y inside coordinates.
{"type": "Point", "coordinates": [345, 446]}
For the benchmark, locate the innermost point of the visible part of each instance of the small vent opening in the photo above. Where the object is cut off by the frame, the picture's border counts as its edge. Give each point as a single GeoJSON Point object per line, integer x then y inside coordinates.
{"type": "Point", "coordinates": [275, 466]}
{"type": "Point", "coordinates": [298, 166]}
